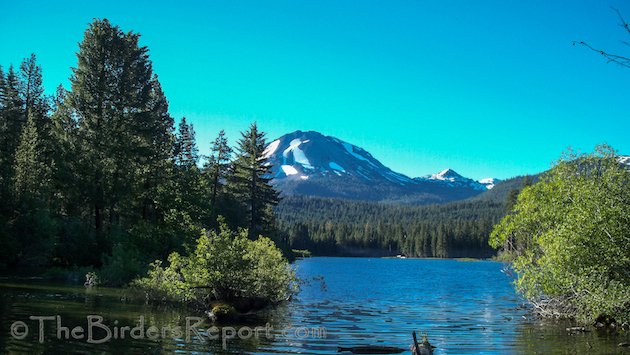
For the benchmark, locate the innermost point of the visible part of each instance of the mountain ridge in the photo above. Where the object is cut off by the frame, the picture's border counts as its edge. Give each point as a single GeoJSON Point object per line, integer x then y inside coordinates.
{"type": "Point", "coordinates": [310, 163]}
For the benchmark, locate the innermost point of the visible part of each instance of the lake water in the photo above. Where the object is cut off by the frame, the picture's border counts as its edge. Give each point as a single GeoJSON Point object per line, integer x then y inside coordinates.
{"type": "Point", "coordinates": [464, 307]}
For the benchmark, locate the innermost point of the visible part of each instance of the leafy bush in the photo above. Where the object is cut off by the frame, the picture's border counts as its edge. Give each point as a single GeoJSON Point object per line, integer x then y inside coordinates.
{"type": "Point", "coordinates": [225, 266]}
{"type": "Point", "coordinates": [569, 239]}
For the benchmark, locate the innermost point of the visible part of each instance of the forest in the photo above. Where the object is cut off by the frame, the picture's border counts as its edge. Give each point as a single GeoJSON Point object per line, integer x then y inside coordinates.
{"type": "Point", "coordinates": [351, 228]}
{"type": "Point", "coordinates": [327, 226]}
{"type": "Point", "coordinates": [101, 176]}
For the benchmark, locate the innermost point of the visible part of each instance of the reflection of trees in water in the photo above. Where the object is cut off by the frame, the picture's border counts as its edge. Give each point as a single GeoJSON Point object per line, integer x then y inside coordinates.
{"type": "Point", "coordinates": [74, 304]}
{"type": "Point", "coordinates": [552, 337]}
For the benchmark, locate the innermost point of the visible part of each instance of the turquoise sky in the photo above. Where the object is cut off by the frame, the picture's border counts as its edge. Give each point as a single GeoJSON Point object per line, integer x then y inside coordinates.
{"type": "Point", "coordinates": [488, 88]}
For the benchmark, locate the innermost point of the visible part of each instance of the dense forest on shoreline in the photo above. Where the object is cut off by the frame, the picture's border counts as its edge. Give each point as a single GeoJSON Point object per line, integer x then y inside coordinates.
{"type": "Point", "coordinates": [97, 176]}
{"type": "Point", "coordinates": [327, 226]}
{"type": "Point", "coordinates": [351, 228]}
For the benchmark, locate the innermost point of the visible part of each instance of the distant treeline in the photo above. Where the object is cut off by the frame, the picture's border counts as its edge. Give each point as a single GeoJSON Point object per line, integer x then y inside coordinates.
{"type": "Point", "coordinates": [342, 227]}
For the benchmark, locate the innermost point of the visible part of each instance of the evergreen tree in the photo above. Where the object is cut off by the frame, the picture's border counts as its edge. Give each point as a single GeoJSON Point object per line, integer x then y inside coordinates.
{"type": "Point", "coordinates": [190, 188]}
{"type": "Point", "coordinates": [186, 151]}
{"type": "Point", "coordinates": [31, 90]}
{"type": "Point", "coordinates": [24, 169]}
{"type": "Point", "coordinates": [156, 170]}
{"type": "Point", "coordinates": [251, 181]}
{"type": "Point", "coordinates": [64, 173]}
{"type": "Point", "coordinates": [5, 161]}
{"type": "Point", "coordinates": [111, 92]}
{"type": "Point", "coordinates": [30, 172]}
{"type": "Point", "coordinates": [32, 222]}
{"type": "Point", "coordinates": [217, 167]}
{"type": "Point", "coordinates": [11, 121]}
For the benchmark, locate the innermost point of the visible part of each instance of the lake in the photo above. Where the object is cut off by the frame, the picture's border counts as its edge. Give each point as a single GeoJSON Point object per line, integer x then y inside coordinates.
{"type": "Point", "coordinates": [464, 307]}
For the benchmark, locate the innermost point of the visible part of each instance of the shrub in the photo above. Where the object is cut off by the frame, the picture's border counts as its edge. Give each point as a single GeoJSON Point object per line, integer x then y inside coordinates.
{"type": "Point", "coordinates": [225, 266]}
{"type": "Point", "coordinates": [568, 236]}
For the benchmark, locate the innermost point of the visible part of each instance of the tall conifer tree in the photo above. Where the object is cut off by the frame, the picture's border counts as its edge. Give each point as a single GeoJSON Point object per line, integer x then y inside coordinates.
{"type": "Point", "coordinates": [111, 91]}
{"type": "Point", "coordinates": [251, 181]}
{"type": "Point", "coordinates": [31, 173]}
{"type": "Point", "coordinates": [218, 165]}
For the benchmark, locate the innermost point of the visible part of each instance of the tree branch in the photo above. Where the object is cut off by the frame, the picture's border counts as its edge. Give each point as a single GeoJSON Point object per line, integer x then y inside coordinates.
{"type": "Point", "coordinates": [623, 23]}
{"type": "Point", "coordinates": [612, 58]}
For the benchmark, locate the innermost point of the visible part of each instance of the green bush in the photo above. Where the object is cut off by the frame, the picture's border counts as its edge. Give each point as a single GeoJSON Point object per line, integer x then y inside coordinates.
{"type": "Point", "coordinates": [569, 239]}
{"type": "Point", "coordinates": [225, 266]}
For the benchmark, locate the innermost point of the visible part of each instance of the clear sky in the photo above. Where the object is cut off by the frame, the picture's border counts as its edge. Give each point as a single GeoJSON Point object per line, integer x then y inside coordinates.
{"type": "Point", "coordinates": [488, 88]}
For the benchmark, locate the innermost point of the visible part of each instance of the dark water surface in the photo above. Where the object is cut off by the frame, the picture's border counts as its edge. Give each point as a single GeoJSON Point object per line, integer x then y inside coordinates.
{"type": "Point", "coordinates": [465, 307]}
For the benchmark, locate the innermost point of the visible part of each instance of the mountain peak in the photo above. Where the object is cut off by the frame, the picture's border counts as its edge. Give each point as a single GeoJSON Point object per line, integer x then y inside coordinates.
{"type": "Point", "coordinates": [306, 154]}
{"type": "Point", "coordinates": [447, 174]}
{"type": "Point", "coordinates": [489, 183]}
{"type": "Point", "coordinates": [310, 163]}
{"type": "Point", "coordinates": [452, 178]}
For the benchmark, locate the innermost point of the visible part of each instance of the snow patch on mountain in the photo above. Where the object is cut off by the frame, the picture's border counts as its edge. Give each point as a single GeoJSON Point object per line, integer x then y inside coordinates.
{"type": "Point", "coordinates": [350, 149]}
{"type": "Point", "coordinates": [336, 166]}
{"type": "Point", "coordinates": [298, 155]}
{"type": "Point", "coordinates": [271, 148]}
{"type": "Point", "coordinates": [489, 182]}
{"type": "Point", "coordinates": [289, 170]}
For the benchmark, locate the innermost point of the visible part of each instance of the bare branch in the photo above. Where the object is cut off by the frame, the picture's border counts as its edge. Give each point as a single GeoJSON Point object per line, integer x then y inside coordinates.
{"type": "Point", "coordinates": [611, 58]}
{"type": "Point", "coordinates": [623, 23]}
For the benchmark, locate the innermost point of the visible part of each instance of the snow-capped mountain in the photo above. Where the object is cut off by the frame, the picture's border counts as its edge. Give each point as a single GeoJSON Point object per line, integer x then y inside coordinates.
{"type": "Point", "coordinates": [309, 163]}
{"type": "Point", "coordinates": [489, 182]}
{"type": "Point", "coordinates": [302, 155]}
{"type": "Point", "coordinates": [452, 178]}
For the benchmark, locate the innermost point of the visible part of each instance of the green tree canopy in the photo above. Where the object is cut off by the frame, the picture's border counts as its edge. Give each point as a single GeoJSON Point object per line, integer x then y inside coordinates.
{"type": "Point", "coordinates": [569, 237]}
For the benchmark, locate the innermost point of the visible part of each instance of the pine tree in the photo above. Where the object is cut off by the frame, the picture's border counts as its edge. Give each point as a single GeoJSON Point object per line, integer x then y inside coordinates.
{"type": "Point", "coordinates": [2, 89]}
{"type": "Point", "coordinates": [111, 92]}
{"type": "Point", "coordinates": [441, 248]}
{"type": "Point", "coordinates": [63, 134]}
{"type": "Point", "coordinates": [251, 181]}
{"type": "Point", "coordinates": [190, 189]}
{"type": "Point", "coordinates": [217, 167]}
{"type": "Point", "coordinates": [11, 122]}
{"type": "Point", "coordinates": [156, 168]}
{"type": "Point", "coordinates": [186, 152]}
{"type": "Point", "coordinates": [12, 119]}
{"type": "Point", "coordinates": [5, 161]}
{"type": "Point", "coordinates": [33, 226]}
{"type": "Point", "coordinates": [30, 172]}
{"type": "Point", "coordinates": [32, 90]}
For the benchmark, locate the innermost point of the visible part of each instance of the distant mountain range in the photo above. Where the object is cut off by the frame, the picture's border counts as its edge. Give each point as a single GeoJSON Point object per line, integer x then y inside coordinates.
{"type": "Point", "coordinates": [312, 164]}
